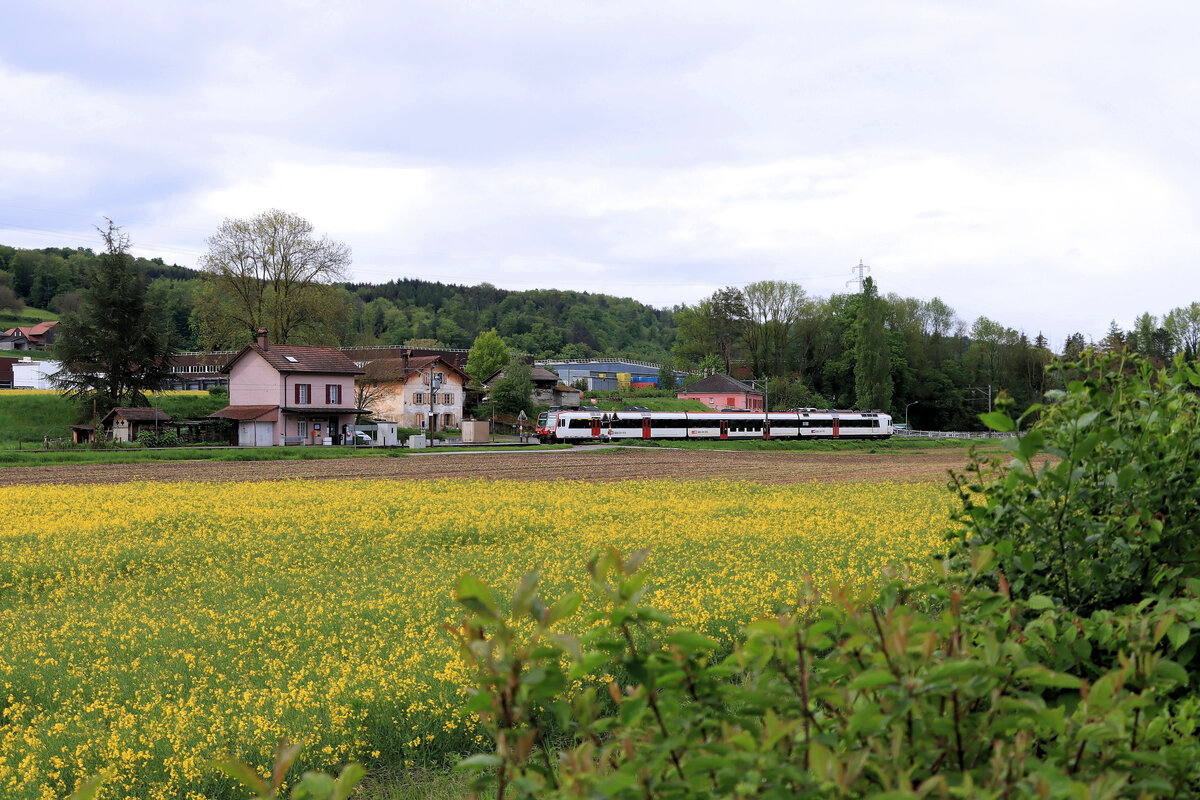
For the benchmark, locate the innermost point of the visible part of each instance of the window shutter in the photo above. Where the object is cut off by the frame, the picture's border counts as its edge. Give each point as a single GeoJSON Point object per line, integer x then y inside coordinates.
{"type": "Point", "coordinates": [297, 388]}
{"type": "Point", "coordinates": [328, 393]}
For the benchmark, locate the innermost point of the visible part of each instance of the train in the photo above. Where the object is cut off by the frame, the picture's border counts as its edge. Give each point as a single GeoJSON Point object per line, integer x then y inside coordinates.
{"type": "Point", "coordinates": [575, 427]}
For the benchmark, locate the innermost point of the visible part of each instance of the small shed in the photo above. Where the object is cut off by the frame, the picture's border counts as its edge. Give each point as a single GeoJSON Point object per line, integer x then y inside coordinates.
{"type": "Point", "coordinates": [83, 434]}
{"type": "Point", "coordinates": [124, 424]}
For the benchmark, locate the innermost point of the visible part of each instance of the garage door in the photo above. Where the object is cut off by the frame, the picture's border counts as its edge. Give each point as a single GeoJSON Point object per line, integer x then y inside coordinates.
{"type": "Point", "coordinates": [264, 434]}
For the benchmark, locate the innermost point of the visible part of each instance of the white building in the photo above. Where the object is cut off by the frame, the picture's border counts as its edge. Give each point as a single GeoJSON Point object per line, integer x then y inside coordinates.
{"type": "Point", "coordinates": [30, 374]}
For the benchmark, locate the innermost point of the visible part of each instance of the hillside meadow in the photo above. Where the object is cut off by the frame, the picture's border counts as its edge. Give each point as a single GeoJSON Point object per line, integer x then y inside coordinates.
{"type": "Point", "coordinates": [29, 415]}
{"type": "Point", "coordinates": [150, 627]}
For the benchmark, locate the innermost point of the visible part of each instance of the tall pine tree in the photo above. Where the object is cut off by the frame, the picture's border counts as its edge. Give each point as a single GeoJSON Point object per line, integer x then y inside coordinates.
{"type": "Point", "coordinates": [116, 348]}
{"type": "Point", "coordinates": [872, 370]}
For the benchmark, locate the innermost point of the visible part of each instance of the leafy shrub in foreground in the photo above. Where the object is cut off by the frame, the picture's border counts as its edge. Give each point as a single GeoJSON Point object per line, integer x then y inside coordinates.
{"type": "Point", "coordinates": [1101, 505]}
{"type": "Point", "coordinates": [848, 696]}
{"type": "Point", "coordinates": [1054, 665]}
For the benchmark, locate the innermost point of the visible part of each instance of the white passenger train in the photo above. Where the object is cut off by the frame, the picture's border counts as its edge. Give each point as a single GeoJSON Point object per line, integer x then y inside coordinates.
{"type": "Point", "coordinates": [805, 423]}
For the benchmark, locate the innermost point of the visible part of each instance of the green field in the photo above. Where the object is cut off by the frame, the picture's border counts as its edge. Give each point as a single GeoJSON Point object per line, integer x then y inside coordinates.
{"type": "Point", "coordinates": [27, 416]}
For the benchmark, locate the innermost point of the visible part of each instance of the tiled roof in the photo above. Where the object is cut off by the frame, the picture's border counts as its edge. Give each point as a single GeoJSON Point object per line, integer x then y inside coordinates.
{"type": "Point", "coordinates": [298, 358]}
{"type": "Point", "coordinates": [393, 369]}
{"type": "Point", "coordinates": [243, 412]}
{"type": "Point", "coordinates": [139, 414]}
{"type": "Point", "coordinates": [33, 332]}
{"type": "Point", "coordinates": [719, 384]}
{"type": "Point", "coordinates": [359, 355]}
{"type": "Point", "coordinates": [538, 374]}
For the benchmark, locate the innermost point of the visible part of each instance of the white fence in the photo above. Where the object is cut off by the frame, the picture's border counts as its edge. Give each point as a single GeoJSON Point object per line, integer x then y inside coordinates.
{"type": "Point", "coordinates": [952, 434]}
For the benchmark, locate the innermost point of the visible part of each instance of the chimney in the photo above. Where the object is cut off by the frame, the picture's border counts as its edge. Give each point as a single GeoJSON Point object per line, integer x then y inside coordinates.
{"type": "Point", "coordinates": [261, 336]}
{"type": "Point", "coordinates": [407, 356]}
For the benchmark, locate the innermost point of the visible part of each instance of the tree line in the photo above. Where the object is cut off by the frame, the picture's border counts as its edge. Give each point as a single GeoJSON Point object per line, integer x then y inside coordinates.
{"type": "Point", "coordinates": [913, 357]}
{"type": "Point", "coordinates": [895, 353]}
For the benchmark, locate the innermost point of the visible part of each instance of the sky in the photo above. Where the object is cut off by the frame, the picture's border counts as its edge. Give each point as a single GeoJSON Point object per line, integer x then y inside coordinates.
{"type": "Point", "coordinates": [1031, 162]}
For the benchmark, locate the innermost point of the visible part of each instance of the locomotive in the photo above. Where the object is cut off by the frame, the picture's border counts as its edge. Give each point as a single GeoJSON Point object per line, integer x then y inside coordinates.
{"type": "Point", "coordinates": [803, 423]}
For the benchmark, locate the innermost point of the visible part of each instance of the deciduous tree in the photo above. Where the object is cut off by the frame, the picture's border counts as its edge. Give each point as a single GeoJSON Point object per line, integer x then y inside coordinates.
{"type": "Point", "coordinates": [489, 354]}
{"type": "Point", "coordinates": [514, 392]}
{"type": "Point", "coordinates": [270, 271]}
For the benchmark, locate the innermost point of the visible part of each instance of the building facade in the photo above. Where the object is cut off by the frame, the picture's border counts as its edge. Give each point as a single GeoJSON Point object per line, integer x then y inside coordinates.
{"type": "Point", "coordinates": [607, 374]}
{"type": "Point", "coordinates": [401, 390]}
{"type": "Point", "coordinates": [289, 394]}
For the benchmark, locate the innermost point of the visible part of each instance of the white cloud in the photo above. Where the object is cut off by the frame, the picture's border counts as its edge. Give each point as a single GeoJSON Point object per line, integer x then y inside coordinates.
{"type": "Point", "coordinates": [1031, 162]}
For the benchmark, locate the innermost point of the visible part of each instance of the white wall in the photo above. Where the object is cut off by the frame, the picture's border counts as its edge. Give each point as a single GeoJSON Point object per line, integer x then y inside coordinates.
{"type": "Point", "coordinates": [34, 374]}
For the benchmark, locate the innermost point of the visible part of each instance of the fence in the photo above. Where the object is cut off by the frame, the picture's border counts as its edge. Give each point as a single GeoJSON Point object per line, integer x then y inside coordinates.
{"type": "Point", "coordinates": [952, 434]}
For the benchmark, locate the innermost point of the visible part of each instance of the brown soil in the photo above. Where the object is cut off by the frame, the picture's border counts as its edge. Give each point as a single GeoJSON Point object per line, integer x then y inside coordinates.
{"type": "Point", "coordinates": [591, 465]}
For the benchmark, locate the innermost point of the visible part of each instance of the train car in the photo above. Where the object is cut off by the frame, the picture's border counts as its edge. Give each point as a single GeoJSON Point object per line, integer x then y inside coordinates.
{"type": "Point", "coordinates": [544, 427]}
{"type": "Point", "coordinates": [581, 426]}
{"type": "Point", "coordinates": [834, 424]}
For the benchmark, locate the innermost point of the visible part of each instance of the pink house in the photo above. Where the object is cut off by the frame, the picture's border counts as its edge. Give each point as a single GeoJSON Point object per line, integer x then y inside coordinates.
{"type": "Point", "coordinates": [289, 394]}
{"type": "Point", "coordinates": [720, 392]}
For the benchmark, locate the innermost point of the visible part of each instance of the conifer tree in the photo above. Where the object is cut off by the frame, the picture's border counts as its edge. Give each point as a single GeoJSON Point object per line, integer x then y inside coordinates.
{"type": "Point", "coordinates": [115, 348]}
{"type": "Point", "coordinates": [872, 371]}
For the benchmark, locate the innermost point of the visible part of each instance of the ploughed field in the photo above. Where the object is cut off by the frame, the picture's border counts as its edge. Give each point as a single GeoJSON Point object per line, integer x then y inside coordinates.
{"type": "Point", "coordinates": [153, 622]}
{"type": "Point", "coordinates": [607, 464]}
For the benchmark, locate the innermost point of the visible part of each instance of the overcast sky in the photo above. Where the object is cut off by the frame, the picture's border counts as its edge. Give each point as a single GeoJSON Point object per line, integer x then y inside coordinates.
{"type": "Point", "coordinates": [1033, 162]}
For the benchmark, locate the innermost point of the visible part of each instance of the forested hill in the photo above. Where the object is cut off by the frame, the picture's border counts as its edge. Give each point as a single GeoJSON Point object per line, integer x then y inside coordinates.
{"type": "Point", "coordinates": [544, 322]}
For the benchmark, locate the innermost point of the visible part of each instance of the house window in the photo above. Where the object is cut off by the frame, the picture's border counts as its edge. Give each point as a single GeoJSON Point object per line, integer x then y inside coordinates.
{"type": "Point", "coordinates": [302, 427]}
{"type": "Point", "coordinates": [448, 399]}
{"type": "Point", "coordinates": [441, 377]}
{"type": "Point", "coordinates": [303, 393]}
{"type": "Point", "coordinates": [333, 394]}
{"type": "Point", "coordinates": [447, 420]}
{"type": "Point", "coordinates": [418, 397]}
{"type": "Point", "coordinates": [729, 401]}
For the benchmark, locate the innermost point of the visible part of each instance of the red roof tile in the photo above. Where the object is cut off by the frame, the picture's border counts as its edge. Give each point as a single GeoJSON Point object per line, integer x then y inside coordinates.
{"type": "Point", "coordinates": [298, 358]}
{"type": "Point", "coordinates": [243, 412]}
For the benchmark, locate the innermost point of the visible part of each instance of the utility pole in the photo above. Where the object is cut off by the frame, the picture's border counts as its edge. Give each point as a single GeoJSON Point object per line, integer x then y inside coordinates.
{"type": "Point", "coordinates": [861, 269]}
{"type": "Point", "coordinates": [434, 384]}
{"type": "Point", "coordinates": [767, 408]}
{"type": "Point", "coordinates": [981, 391]}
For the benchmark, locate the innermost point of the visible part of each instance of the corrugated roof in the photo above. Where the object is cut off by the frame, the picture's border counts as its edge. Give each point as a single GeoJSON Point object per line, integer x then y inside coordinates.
{"type": "Point", "coordinates": [139, 414]}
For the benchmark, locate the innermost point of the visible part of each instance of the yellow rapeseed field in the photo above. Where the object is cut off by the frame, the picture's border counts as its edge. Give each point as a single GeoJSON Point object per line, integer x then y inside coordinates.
{"type": "Point", "coordinates": [149, 628]}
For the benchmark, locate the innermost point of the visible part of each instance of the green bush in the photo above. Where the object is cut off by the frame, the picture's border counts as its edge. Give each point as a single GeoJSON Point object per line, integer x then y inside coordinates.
{"type": "Point", "coordinates": [1020, 671]}
{"type": "Point", "coordinates": [1099, 507]}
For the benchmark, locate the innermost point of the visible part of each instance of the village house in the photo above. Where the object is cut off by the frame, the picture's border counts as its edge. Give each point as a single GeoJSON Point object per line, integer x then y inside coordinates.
{"type": "Point", "coordinates": [721, 392]}
{"type": "Point", "coordinates": [30, 337]}
{"type": "Point", "coordinates": [548, 390]}
{"type": "Point", "coordinates": [399, 390]}
{"type": "Point", "coordinates": [124, 424]}
{"type": "Point", "coordinates": [290, 394]}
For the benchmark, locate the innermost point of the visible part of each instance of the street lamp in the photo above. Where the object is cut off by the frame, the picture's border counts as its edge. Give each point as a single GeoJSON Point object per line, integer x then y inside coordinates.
{"type": "Point", "coordinates": [913, 403]}
{"type": "Point", "coordinates": [492, 428]}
